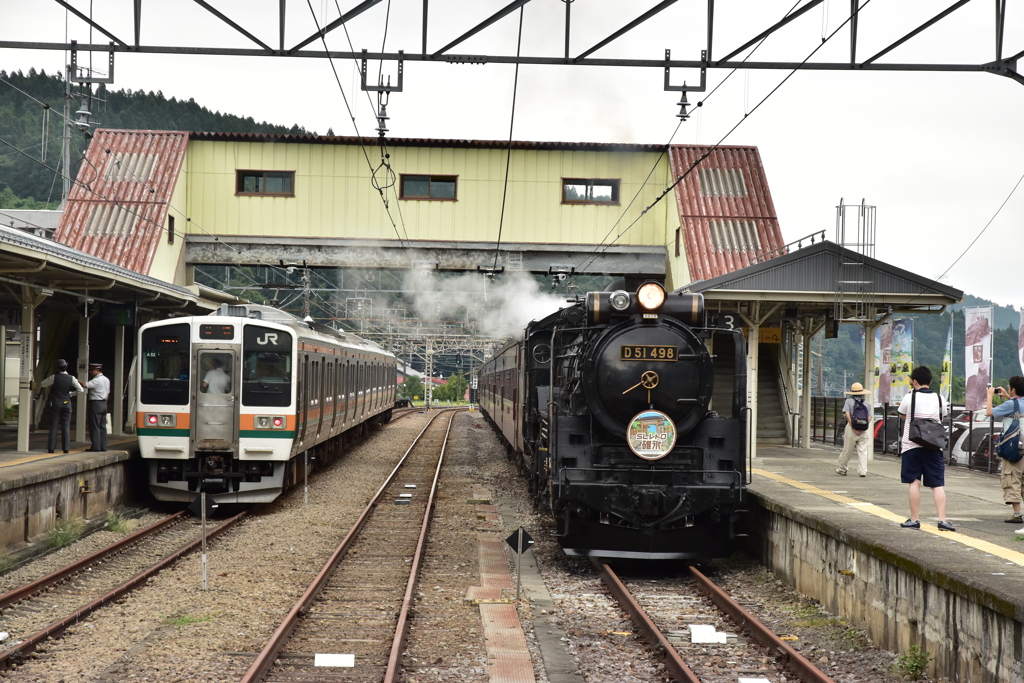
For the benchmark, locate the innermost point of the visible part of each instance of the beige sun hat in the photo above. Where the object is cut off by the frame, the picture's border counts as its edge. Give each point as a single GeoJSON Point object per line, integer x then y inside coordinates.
{"type": "Point", "coordinates": [857, 388]}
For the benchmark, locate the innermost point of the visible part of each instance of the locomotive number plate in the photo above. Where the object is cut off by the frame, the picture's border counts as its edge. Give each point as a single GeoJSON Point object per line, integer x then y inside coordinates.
{"type": "Point", "coordinates": [648, 352]}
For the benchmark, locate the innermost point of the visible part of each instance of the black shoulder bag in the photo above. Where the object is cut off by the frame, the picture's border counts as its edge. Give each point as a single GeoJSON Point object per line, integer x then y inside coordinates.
{"type": "Point", "coordinates": [926, 433]}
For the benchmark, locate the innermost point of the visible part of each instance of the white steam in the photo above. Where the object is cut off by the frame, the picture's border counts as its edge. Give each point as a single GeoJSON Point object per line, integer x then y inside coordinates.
{"type": "Point", "coordinates": [501, 307]}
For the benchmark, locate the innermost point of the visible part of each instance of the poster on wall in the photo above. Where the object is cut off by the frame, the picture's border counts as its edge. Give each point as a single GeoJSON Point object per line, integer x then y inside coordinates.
{"type": "Point", "coordinates": [946, 378]}
{"type": "Point", "coordinates": [977, 354]}
{"type": "Point", "coordinates": [883, 353]}
{"type": "Point", "coordinates": [901, 357]}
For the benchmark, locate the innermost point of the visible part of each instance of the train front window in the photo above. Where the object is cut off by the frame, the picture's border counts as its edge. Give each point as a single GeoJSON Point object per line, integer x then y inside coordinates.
{"type": "Point", "coordinates": [266, 367]}
{"type": "Point", "coordinates": [165, 365]}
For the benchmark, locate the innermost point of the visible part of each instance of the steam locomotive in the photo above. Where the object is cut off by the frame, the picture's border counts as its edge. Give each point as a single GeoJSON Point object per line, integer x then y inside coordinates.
{"type": "Point", "coordinates": [627, 414]}
{"type": "Point", "coordinates": [233, 402]}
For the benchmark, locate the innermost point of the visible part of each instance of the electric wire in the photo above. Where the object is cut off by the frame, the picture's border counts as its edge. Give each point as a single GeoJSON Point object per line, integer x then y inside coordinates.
{"type": "Point", "coordinates": [718, 144]}
{"type": "Point", "coordinates": [355, 125]}
{"type": "Point", "coordinates": [508, 155]}
{"type": "Point", "coordinates": [699, 105]}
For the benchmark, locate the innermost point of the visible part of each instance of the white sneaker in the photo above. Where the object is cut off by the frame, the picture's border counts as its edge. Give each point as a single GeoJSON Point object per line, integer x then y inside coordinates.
{"type": "Point", "coordinates": [1019, 532]}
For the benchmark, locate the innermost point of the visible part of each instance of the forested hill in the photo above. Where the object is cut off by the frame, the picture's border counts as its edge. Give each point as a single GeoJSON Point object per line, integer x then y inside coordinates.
{"type": "Point", "coordinates": [21, 124]}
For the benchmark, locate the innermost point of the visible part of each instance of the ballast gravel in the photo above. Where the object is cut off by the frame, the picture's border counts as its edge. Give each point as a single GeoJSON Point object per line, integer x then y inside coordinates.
{"type": "Point", "coordinates": [171, 630]}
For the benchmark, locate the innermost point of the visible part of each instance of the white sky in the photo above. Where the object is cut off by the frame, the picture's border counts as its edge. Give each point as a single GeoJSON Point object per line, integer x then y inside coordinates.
{"type": "Point", "coordinates": [936, 153]}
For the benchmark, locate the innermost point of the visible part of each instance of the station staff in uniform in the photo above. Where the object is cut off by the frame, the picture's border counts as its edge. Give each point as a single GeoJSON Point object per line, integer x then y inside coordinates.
{"type": "Point", "coordinates": [99, 391]}
{"type": "Point", "coordinates": [60, 404]}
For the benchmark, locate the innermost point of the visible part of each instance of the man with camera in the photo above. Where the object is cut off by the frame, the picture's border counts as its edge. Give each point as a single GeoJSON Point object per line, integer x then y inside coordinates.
{"type": "Point", "coordinates": [1011, 473]}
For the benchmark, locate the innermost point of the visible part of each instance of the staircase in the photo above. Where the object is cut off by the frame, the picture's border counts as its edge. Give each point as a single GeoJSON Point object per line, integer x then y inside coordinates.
{"type": "Point", "coordinates": [771, 407]}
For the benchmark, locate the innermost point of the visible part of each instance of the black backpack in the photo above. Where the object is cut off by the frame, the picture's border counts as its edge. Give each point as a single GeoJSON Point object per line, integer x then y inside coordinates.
{"type": "Point", "coordinates": [860, 417]}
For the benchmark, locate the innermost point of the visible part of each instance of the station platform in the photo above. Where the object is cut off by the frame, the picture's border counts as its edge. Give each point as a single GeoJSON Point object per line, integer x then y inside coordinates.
{"type": "Point", "coordinates": [39, 489]}
{"type": "Point", "coordinates": [959, 595]}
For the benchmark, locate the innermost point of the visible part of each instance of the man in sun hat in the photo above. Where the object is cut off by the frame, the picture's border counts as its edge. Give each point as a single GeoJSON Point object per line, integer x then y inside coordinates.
{"type": "Point", "coordinates": [857, 434]}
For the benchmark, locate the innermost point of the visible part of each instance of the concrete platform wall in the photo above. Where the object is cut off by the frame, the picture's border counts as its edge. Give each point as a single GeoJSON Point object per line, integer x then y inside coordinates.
{"type": "Point", "coordinates": [32, 501]}
{"type": "Point", "coordinates": [973, 633]}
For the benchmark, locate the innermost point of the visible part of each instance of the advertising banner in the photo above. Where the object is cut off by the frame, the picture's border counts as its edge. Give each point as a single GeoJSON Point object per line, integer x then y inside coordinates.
{"type": "Point", "coordinates": [1020, 341]}
{"type": "Point", "coordinates": [883, 356]}
{"type": "Point", "coordinates": [946, 379]}
{"type": "Point", "coordinates": [977, 354]}
{"type": "Point", "coordinates": [901, 358]}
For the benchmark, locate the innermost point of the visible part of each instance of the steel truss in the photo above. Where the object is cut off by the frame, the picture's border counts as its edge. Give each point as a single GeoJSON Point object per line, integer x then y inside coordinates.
{"type": "Point", "coordinates": [1001, 64]}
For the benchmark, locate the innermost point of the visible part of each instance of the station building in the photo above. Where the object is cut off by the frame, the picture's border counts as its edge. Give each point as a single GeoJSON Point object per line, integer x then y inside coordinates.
{"type": "Point", "coordinates": [169, 206]}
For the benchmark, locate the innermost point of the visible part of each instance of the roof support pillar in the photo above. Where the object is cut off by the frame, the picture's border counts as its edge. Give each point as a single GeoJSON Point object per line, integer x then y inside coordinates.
{"type": "Point", "coordinates": [28, 355]}
{"type": "Point", "coordinates": [82, 399]}
{"type": "Point", "coordinates": [117, 388]}
{"type": "Point", "coordinates": [805, 388]}
{"type": "Point", "coordinates": [3, 373]}
{"type": "Point", "coordinates": [754, 332]}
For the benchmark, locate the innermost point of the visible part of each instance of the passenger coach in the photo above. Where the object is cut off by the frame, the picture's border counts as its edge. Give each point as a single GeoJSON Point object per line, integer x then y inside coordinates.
{"type": "Point", "coordinates": [227, 403]}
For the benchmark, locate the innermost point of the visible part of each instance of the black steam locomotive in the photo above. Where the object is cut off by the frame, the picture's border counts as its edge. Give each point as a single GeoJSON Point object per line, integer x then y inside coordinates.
{"type": "Point", "coordinates": [628, 415]}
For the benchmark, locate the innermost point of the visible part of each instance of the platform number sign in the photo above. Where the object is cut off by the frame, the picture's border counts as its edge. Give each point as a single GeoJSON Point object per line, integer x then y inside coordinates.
{"type": "Point", "coordinates": [727, 321]}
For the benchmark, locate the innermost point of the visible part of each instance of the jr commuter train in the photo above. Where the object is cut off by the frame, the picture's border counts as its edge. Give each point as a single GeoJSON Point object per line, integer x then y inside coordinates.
{"type": "Point", "coordinates": [607, 406]}
{"type": "Point", "coordinates": [231, 403]}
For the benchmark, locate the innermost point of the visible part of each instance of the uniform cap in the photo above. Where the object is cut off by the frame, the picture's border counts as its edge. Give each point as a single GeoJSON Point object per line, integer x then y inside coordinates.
{"type": "Point", "coordinates": [62, 364]}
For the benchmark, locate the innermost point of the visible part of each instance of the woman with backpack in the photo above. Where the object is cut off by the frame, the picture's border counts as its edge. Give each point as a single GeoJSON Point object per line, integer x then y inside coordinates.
{"type": "Point", "coordinates": [1011, 470]}
{"type": "Point", "coordinates": [857, 434]}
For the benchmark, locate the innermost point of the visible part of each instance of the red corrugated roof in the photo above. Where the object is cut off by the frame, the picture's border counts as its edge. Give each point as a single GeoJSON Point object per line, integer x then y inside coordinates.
{"type": "Point", "coordinates": [118, 208]}
{"type": "Point", "coordinates": [725, 209]}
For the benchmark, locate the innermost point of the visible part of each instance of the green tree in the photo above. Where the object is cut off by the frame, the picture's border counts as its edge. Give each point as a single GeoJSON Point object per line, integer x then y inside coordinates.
{"type": "Point", "coordinates": [412, 387]}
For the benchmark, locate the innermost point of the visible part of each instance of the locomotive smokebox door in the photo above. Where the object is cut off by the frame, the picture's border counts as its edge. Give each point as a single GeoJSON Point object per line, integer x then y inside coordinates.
{"type": "Point", "coordinates": [637, 367]}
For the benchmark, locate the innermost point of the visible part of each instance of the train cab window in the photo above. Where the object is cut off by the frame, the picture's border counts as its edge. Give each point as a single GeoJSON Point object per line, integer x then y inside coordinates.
{"type": "Point", "coordinates": [165, 365]}
{"type": "Point", "coordinates": [215, 367]}
{"type": "Point", "coordinates": [266, 367]}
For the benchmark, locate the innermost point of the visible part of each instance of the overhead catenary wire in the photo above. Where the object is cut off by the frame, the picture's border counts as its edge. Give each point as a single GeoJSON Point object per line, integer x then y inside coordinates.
{"type": "Point", "coordinates": [355, 125]}
{"type": "Point", "coordinates": [700, 104]}
{"type": "Point", "coordinates": [721, 140]}
{"type": "Point", "coordinates": [508, 153]}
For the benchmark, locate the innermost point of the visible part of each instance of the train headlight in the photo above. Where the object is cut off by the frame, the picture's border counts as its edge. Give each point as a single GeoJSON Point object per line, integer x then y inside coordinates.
{"type": "Point", "coordinates": [262, 422]}
{"type": "Point", "coordinates": [278, 423]}
{"type": "Point", "coordinates": [167, 420]}
{"type": "Point", "coordinates": [619, 300]}
{"type": "Point", "coordinates": [651, 295]}
{"type": "Point", "coordinates": [152, 419]}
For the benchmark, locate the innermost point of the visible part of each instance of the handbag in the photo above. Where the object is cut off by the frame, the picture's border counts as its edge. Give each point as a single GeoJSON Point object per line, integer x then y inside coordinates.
{"type": "Point", "coordinates": [1008, 445]}
{"type": "Point", "coordinates": [926, 433]}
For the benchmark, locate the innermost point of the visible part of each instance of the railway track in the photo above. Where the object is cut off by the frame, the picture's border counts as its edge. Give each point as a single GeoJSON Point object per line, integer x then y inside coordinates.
{"type": "Point", "coordinates": [46, 607]}
{"type": "Point", "coordinates": [676, 619]}
{"type": "Point", "coordinates": [351, 623]}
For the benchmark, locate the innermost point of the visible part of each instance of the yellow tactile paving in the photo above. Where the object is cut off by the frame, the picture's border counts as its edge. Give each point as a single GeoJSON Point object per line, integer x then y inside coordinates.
{"type": "Point", "coordinates": [976, 543]}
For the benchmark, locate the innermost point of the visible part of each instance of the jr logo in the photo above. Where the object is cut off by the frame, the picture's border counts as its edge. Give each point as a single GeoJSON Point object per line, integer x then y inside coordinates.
{"type": "Point", "coordinates": [268, 338]}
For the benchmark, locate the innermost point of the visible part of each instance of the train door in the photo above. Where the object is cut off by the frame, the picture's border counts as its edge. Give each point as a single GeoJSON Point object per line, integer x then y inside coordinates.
{"type": "Point", "coordinates": [302, 400]}
{"type": "Point", "coordinates": [216, 416]}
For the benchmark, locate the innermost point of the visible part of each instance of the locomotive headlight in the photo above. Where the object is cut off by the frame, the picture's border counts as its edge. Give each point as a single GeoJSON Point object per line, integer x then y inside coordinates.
{"type": "Point", "coordinates": [619, 300]}
{"type": "Point", "coordinates": [167, 420]}
{"type": "Point", "coordinates": [651, 295]}
{"type": "Point", "coordinates": [262, 422]}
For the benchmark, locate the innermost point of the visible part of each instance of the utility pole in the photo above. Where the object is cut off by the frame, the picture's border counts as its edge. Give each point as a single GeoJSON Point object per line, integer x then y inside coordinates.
{"type": "Point", "coordinates": [429, 392]}
{"type": "Point", "coordinates": [65, 152]}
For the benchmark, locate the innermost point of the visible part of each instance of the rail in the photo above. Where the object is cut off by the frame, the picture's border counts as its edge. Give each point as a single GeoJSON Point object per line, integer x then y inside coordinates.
{"type": "Point", "coordinates": [264, 661]}
{"type": "Point", "coordinates": [674, 664]}
{"type": "Point", "coordinates": [9, 657]}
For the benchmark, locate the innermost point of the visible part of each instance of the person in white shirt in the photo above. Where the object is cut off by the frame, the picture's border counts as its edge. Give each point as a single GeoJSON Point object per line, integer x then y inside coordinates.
{"type": "Point", "coordinates": [99, 391]}
{"type": "Point", "coordinates": [918, 463]}
{"type": "Point", "coordinates": [216, 381]}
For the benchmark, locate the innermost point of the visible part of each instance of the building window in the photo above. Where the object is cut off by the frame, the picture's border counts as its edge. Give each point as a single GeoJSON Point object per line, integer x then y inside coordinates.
{"type": "Point", "coordinates": [437, 187]}
{"type": "Point", "coordinates": [265, 183]}
{"type": "Point", "coordinates": [590, 191]}
{"type": "Point", "coordinates": [679, 239]}
{"type": "Point", "coordinates": [170, 230]}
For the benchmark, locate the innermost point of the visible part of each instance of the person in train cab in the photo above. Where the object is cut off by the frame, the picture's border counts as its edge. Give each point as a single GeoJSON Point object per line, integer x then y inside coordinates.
{"type": "Point", "coordinates": [921, 465]}
{"type": "Point", "coordinates": [1011, 474]}
{"type": "Point", "coordinates": [217, 380]}
{"type": "Point", "coordinates": [98, 387]}
{"type": "Point", "coordinates": [856, 435]}
{"type": "Point", "coordinates": [63, 385]}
